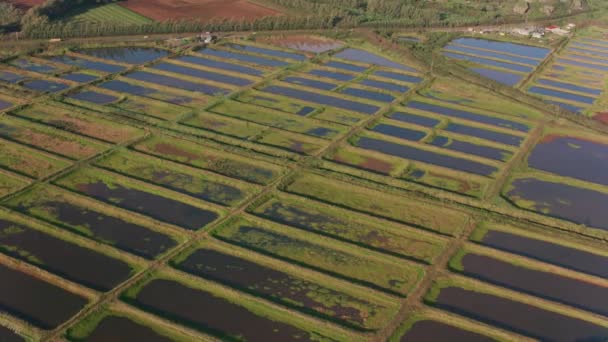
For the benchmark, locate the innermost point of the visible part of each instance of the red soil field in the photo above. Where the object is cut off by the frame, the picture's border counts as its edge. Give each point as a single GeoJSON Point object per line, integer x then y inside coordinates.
{"type": "Point", "coordinates": [25, 4]}
{"type": "Point", "coordinates": [602, 117]}
{"type": "Point", "coordinates": [198, 9]}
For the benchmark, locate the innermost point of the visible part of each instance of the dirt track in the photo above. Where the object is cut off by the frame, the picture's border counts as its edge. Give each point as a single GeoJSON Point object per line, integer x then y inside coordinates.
{"type": "Point", "coordinates": [202, 9]}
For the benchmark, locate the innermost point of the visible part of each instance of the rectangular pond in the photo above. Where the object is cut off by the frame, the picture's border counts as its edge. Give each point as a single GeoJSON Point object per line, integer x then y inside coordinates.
{"type": "Point", "coordinates": [586, 58]}
{"type": "Point", "coordinates": [463, 114]}
{"type": "Point", "coordinates": [519, 317]}
{"type": "Point", "coordinates": [88, 64]}
{"type": "Point", "coordinates": [415, 119]}
{"type": "Point", "coordinates": [471, 148]}
{"type": "Point", "coordinates": [35, 300]}
{"type": "Point", "coordinates": [338, 76]}
{"type": "Point", "coordinates": [173, 82]}
{"type": "Point", "coordinates": [398, 76]}
{"type": "Point", "coordinates": [399, 132]}
{"type": "Point", "coordinates": [503, 138]}
{"type": "Point", "coordinates": [119, 328]}
{"type": "Point", "coordinates": [202, 74]}
{"type": "Point", "coordinates": [576, 259]}
{"type": "Point", "coordinates": [368, 94]}
{"type": "Point", "coordinates": [58, 256]}
{"type": "Point", "coordinates": [588, 52]}
{"type": "Point", "coordinates": [429, 330]}
{"type": "Point", "coordinates": [489, 62]}
{"type": "Point", "coordinates": [268, 52]}
{"type": "Point", "coordinates": [345, 66]}
{"type": "Point", "coordinates": [5, 104]}
{"type": "Point", "coordinates": [505, 47]}
{"type": "Point", "coordinates": [94, 97]}
{"type": "Point", "coordinates": [29, 65]}
{"type": "Point", "coordinates": [128, 55]}
{"type": "Point", "coordinates": [412, 153]}
{"type": "Point", "coordinates": [497, 55]}
{"type": "Point", "coordinates": [572, 157]}
{"type": "Point", "coordinates": [385, 85]}
{"type": "Point", "coordinates": [79, 77]}
{"type": "Point", "coordinates": [548, 285]}
{"type": "Point", "coordinates": [582, 64]}
{"type": "Point", "coordinates": [500, 76]}
{"type": "Point", "coordinates": [10, 77]}
{"type": "Point", "coordinates": [45, 86]}
{"type": "Point", "coordinates": [561, 95]}
{"type": "Point", "coordinates": [567, 106]}
{"type": "Point", "coordinates": [212, 63]}
{"type": "Point", "coordinates": [310, 83]}
{"type": "Point", "coordinates": [362, 56]}
{"type": "Point", "coordinates": [244, 58]}
{"type": "Point", "coordinates": [323, 99]}
{"type": "Point", "coordinates": [570, 86]}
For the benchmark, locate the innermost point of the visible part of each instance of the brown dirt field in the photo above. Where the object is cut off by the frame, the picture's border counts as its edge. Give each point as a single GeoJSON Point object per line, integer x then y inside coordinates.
{"type": "Point", "coordinates": [198, 9]}
{"type": "Point", "coordinates": [601, 117]}
{"type": "Point", "coordinates": [25, 4]}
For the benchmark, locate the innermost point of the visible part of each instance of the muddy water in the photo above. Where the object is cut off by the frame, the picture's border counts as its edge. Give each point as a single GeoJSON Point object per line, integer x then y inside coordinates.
{"type": "Point", "coordinates": [71, 261]}
{"type": "Point", "coordinates": [203, 74]}
{"type": "Point", "coordinates": [486, 134]}
{"type": "Point", "coordinates": [398, 77]}
{"type": "Point", "coordinates": [462, 114]}
{"type": "Point", "coordinates": [267, 52]}
{"type": "Point", "coordinates": [368, 94]}
{"type": "Point", "coordinates": [498, 55]}
{"type": "Point", "coordinates": [470, 148]}
{"type": "Point", "coordinates": [567, 202]}
{"type": "Point", "coordinates": [503, 77]}
{"type": "Point", "coordinates": [399, 132]}
{"type": "Point", "coordinates": [276, 285]}
{"type": "Point", "coordinates": [310, 83]}
{"type": "Point", "coordinates": [125, 235]}
{"type": "Point", "coordinates": [129, 55]}
{"type": "Point", "coordinates": [561, 95]}
{"type": "Point", "coordinates": [244, 58]}
{"type": "Point", "coordinates": [323, 99]}
{"type": "Point", "coordinates": [519, 317]}
{"type": "Point", "coordinates": [10, 77]}
{"type": "Point", "coordinates": [7, 335]}
{"type": "Point", "coordinates": [4, 105]}
{"type": "Point", "coordinates": [155, 206]}
{"type": "Point", "coordinates": [220, 65]}
{"type": "Point", "coordinates": [434, 158]}
{"type": "Point", "coordinates": [572, 258]}
{"type": "Point", "coordinates": [428, 330]}
{"type": "Point", "coordinates": [572, 157]}
{"type": "Point", "coordinates": [35, 301]}
{"type": "Point", "coordinates": [385, 86]}
{"type": "Point", "coordinates": [94, 97]}
{"type": "Point", "coordinates": [121, 329]}
{"type": "Point", "coordinates": [79, 77]}
{"type": "Point", "coordinates": [489, 62]}
{"type": "Point", "coordinates": [204, 311]}
{"type": "Point", "coordinates": [570, 291]}
{"type": "Point", "coordinates": [87, 64]}
{"type": "Point", "coordinates": [345, 66]}
{"type": "Point", "coordinates": [415, 119]}
{"type": "Point", "coordinates": [176, 83]}
{"type": "Point", "coordinates": [45, 86]}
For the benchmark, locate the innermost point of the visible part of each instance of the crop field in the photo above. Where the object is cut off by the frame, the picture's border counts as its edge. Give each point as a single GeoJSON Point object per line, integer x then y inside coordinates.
{"type": "Point", "coordinates": [301, 188]}
{"type": "Point", "coordinates": [107, 13]}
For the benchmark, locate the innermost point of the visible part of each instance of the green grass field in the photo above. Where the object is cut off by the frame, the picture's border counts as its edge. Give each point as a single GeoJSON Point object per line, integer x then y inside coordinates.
{"type": "Point", "coordinates": [105, 14]}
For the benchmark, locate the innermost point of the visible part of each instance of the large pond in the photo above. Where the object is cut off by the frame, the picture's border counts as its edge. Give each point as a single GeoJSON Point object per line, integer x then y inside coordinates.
{"type": "Point", "coordinates": [212, 63]}
{"type": "Point", "coordinates": [561, 95]}
{"type": "Point", "coordinates": [129, 55]}
{"type": "Point", "coordinates": [363, 56]}
{"type": "Point", "coordinates": [503, 77]}
{"type": "Point", "coordinates": [428, 330]}
{"type": "Point", "coordinates": [505, 47]}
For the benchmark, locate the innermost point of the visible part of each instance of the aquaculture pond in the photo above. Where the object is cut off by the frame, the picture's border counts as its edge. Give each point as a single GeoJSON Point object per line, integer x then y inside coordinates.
{"type": "Point", "coordinates": [399, 132]}
{"type": "Point", "coordinates": [323, 99]}
{"type": "Point", "coordinates": [5, 104]}
{"type": "Point", "coordinates": [561, 95]}
{"type": "Point", "coordinates": [568, 106]}
{"type": "Point", "coordinates": [213, 314]}
{"type": "Point", "coordinates": [69, 260]}
{"type": "Point", "coordinates": [35, 301]}
{"type": "Point", "coordinates": [129, 55]}
{"type": "Point", "coordinates": [287, 289]}
{"type": "Point", "coordinates": [500, 76]}
{"type": "Point", "coordinates": [424, 156]}
{"type": "Point", "coordinates": [505, 47]}
{"type": "Point", "coordinates": [345, 66]}
{"type": "Point", "coordinates": [310, 83]}
{"type": "Point", "coordinates": [202, 74]}
{"type": "Point", "coordinates": [516, 316]}
{"type": "Point", "coordinates": [174, 82]}
{"type": "Point", "coordinates": [45, 86]}
{"type": "Point", "coordinates": [565, 155]}
{"type": "Point", "coordinates": [211, 63]}
{"type": "Point", "coordinates": [398, 76]}
{"type": "Point", "coordinates": [553, 253]}
{"type": "Point", "coordinates": [147, 202]}
{"type": "Point", "coordinates": [486, 134]}
{"type": "Point", "coordinates": [471, 148]}
{"type": "Point", "coordinates": [268, 52]}
{"type": "Point", "coordinates": [463, 114]}
{"type": "Point", "coordinates": [362, 56]}
{"type": "Point", "coordinates": [29, 65]}
{"type": "Point", "coordinates": [586, 58]}
{"type": "Point", "coordinates": [89, 221]}
{"type": "Point", "coordinates": [10, 77]}
{"type": "Point", "coordinates": [368, 94]}
{"type": "Point", "coordinates": [571, 291]}
{"type": "Point", "coordinates": [586, 51]}
{"type": "Point", "coordinates": [244, 58]}
{"type": "Point", "coordinates": [79, 77]}
{"type": "Point", "coordinates": [489, 62]}
{"type": "Point", "coordinates": [94, 97]}
{"type": "Point", "coordinates": [429, 330]}
{"type": "Point", "coordinates": [582, 64]}
{"type": "Point", "coordinates": [338, 76]}
{"type": "Point", "coordinates": [579, 205]}
{"type": "Point", "coordinates": [88, 64]}
{"type": "Point", "coordinates": [415, 119]}
{"type": "Point", "coordinates": [125, 87]}
{"type": "Point", "coordinates": [570, 86]}
{"type": "Point", "coordinates": [385, 85]}
{"type": "Point", "coordinates": [7, 335]}
{"type": "Point", "coordinates": [497, 55]}
{"type": "Point", "coordinates": [117, 328]}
